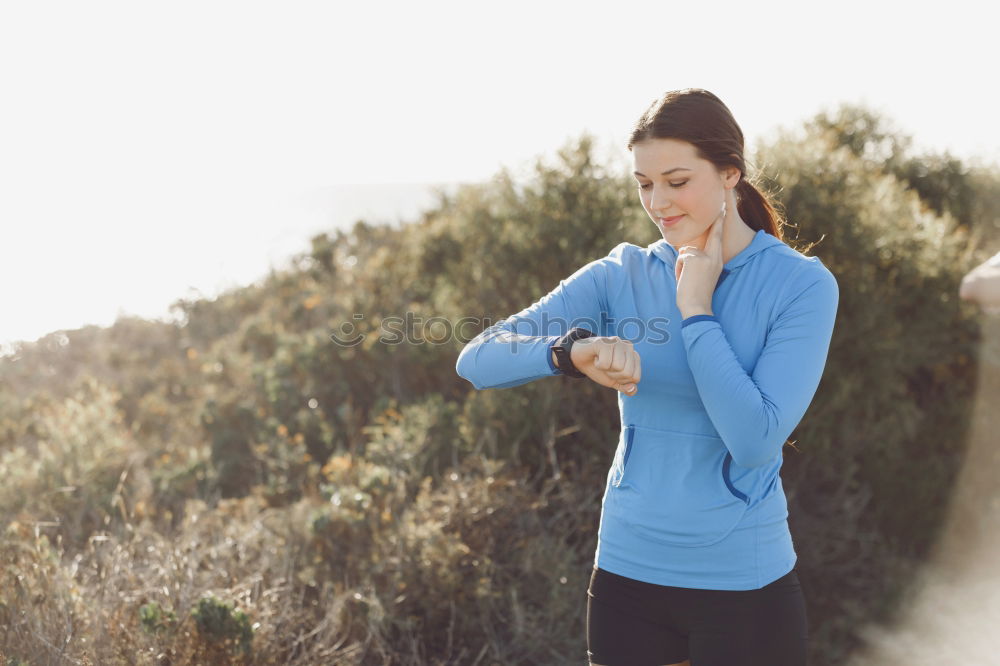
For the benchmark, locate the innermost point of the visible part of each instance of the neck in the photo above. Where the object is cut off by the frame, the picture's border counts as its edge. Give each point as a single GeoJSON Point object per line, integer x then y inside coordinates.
{"type": "Point", "coordinates": [736, 236]}
{"type": "Point", "coordinates": [738, 241]}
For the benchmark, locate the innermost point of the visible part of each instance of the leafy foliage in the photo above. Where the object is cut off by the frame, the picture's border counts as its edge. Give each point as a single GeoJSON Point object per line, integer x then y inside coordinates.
{"type": "Point", "coordinates": [223, 626]}
{"type": "Point", "coordinates": [363, 504]}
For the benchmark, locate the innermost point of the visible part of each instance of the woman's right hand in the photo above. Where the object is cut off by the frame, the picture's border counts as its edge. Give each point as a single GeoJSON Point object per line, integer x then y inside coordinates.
{"type": "Point", "coordinates": [609, 361]}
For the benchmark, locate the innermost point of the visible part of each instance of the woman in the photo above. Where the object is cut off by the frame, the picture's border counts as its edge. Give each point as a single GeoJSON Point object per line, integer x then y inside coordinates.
{"type": "Point", "coordinates": [694, 559]}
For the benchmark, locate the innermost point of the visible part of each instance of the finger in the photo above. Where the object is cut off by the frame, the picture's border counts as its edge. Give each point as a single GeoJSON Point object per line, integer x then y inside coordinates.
{"type": "Point", "coordinates": [604, 355]}
{"type": "Point", "coordinates": [637, 369]}
{"type": "Point", "coordinates": [618, 363]}
{"type": "Point", "coordinates": [629, 367]}
{"type": "Point", "coordinates": [714, 245]}
{"type": "Point", "coordinates": [630, 374]}
{"type": "Point", "coordinates": [623, 351]}
{"type": "Point", "coordinates": [682, 256]}
{"type": "Point", "coordinates": [681, 261]}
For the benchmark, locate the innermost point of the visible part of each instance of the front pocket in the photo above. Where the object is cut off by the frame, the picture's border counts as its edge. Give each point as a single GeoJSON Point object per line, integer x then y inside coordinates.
{"type": "Point", "coordinates": [674, 487]}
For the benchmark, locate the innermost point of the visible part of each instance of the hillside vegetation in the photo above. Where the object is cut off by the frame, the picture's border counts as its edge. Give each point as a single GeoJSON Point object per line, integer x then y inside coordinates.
{"type": "Point", "coordinates": [240, 488]}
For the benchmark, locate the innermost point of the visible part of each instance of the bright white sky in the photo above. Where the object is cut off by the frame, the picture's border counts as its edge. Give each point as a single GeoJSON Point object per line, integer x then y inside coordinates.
{"type": "Point", "coordinates": [149, 149]}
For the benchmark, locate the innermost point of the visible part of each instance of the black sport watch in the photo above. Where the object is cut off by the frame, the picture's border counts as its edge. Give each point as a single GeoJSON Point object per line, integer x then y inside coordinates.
{"type": "Point", "coordinates": [562, 347]}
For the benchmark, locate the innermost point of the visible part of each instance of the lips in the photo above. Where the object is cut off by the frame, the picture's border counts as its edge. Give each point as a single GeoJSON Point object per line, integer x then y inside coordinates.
{"type": "Point", "coordinates": [668, 221]}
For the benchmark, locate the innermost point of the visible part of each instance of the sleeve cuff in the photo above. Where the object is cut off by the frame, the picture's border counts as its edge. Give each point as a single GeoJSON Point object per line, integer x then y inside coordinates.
{"type": "Point", "coordinates": [548, 357]}
{"type": "Point", "coordinates": [696, 318]}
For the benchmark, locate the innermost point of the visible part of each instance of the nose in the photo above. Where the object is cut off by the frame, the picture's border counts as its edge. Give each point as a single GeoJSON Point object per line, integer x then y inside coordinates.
{"type": "Point", "coordinates": [659, 202]}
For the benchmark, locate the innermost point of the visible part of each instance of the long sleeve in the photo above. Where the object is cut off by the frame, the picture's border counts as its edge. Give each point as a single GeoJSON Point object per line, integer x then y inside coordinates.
{"type": "Point", "coordinates": [754, 414]}
{"type": "Point", "coordinates": [516, 350]}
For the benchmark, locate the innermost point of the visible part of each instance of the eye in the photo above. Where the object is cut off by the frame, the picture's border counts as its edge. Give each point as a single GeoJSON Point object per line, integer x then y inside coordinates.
{"type": "Point", "coordinates": [648, 185]}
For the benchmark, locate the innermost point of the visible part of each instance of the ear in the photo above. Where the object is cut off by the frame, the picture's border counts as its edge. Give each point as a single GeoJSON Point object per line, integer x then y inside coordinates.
{"type": "Point", "coordinates": [731, 176]}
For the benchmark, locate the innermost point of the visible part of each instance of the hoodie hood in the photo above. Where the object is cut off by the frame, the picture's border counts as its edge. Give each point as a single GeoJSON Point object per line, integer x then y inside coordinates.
{"type": "Point", "coordinates": [761, 241]}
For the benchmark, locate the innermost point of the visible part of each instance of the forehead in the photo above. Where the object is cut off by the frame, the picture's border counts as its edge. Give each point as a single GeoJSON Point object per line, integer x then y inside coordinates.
{"type": "Point", "coordinates": [655, 155]}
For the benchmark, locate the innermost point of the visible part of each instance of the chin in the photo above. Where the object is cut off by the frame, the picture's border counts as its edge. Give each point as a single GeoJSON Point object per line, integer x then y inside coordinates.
{"type": "Point", "coordinates": [677, 237]}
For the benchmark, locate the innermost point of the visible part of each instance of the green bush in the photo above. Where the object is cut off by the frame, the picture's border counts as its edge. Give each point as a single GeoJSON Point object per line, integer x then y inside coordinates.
{"type": "Point", "coordinates": [155, 618]}
{"type": "Point", "coordinates": [366, 505]}
{"type": "Point", "coordinates": [222, 626]}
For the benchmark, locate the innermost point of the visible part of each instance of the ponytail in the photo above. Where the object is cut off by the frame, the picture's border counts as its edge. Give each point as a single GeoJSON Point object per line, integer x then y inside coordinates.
{"type": "Point", "coordinates": [756, 209]}
{"type": "Point", "coordinates": [759, 211]}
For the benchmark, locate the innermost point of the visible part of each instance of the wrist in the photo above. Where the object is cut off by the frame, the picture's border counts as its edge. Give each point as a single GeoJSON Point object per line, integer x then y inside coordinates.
{"type": "Point", "coordinates": [562, 349]}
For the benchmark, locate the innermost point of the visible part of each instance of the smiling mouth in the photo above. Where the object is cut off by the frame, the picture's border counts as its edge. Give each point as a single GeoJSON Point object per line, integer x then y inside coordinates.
{"type": "Point", "coordinates": [670, 220]}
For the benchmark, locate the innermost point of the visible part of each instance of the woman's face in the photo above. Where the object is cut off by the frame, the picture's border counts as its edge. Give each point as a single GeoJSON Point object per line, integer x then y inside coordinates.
{"type": "Point", "coordinates": [691, 188]}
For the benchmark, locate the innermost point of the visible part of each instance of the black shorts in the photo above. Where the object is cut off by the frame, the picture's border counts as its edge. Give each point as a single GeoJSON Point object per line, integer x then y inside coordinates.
{"type": "Point", "coordinates": [634, 623]}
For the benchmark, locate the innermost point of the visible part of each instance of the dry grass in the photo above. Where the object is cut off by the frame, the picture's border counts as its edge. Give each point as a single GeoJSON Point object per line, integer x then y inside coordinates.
{"type": "Point", "coordinates": [364, 568]}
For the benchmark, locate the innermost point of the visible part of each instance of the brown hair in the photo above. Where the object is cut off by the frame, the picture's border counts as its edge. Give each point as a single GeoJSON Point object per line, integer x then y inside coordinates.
{"type": "Point", "coordinates": [699, 117]}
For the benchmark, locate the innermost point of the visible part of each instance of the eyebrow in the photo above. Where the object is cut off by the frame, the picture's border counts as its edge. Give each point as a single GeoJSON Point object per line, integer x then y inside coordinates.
{"type": "Point", "coordinates": [665, 173]}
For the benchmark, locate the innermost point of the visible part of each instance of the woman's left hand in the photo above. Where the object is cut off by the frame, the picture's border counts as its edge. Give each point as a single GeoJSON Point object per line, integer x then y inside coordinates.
{"type": "Point", "coordinates": [697, 271]}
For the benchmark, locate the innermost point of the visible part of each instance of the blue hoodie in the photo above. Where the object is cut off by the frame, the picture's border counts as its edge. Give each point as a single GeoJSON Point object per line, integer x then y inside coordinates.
{"type": "Point", "coordinates": [693, 496]}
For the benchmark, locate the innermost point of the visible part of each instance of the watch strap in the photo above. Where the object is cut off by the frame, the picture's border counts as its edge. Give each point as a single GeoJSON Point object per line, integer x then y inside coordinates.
{"type": "Point", "coordinates": [562, 348]}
